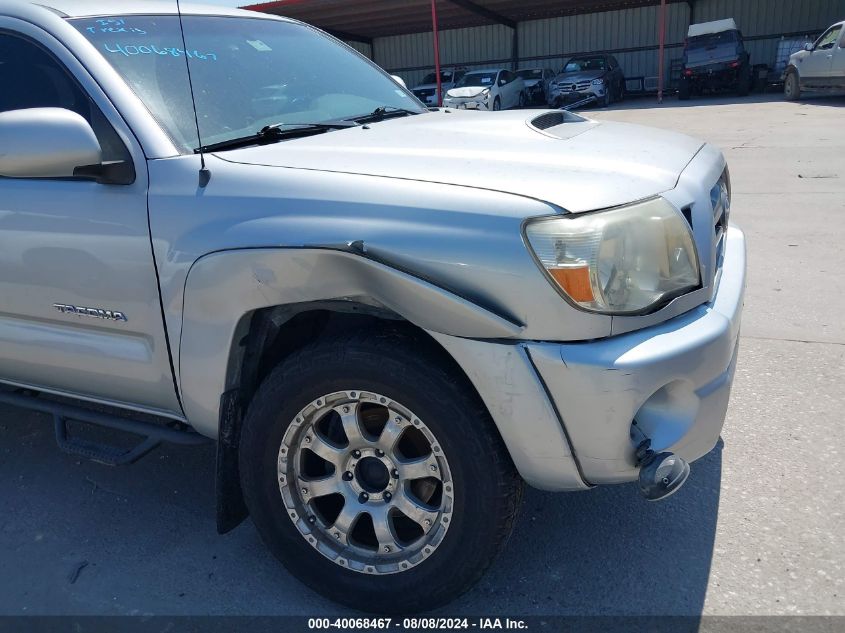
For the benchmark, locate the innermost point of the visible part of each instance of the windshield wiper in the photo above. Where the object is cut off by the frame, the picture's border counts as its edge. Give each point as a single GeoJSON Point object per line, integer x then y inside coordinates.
{"type": "Point", "coordinates": [275, 133]}
{"type": "Point", "coordinates": [381, 113]}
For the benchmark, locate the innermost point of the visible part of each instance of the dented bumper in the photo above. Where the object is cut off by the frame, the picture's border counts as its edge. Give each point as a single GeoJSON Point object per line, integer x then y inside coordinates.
{"type": "Point", "coordinates": [565, 410]}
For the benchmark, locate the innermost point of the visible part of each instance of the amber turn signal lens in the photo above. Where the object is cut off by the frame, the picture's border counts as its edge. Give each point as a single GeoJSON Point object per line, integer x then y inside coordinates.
{"type": "Point", "coordinates": [575, 281]}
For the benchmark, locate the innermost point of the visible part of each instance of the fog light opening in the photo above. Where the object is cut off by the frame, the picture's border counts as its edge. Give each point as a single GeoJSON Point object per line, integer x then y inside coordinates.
{"type": "Point", "coordinates": [661, 474]}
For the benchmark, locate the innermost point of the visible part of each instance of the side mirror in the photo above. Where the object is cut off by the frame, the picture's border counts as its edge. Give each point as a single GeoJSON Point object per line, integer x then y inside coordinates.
{"type": "Point", "coordinates": [808, 47]}
{"type": "Point", "coordinates": [502, 82]}
{"type": "Point", "coordinates": [46, 143]}
{"type": "Point", "coordinates": [399, 80]}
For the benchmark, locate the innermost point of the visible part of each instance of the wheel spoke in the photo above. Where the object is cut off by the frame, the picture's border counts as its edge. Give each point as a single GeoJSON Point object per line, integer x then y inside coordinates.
{"type": "Point", "coordinates": [419, 468]}
{"type": "Point", "coordinates": [320, 487]}
{"type": "Point", "coordinates": [324, 449]}
{"type": "Point", "coordinates": [345, 521]}
{"type": "Point", "coordinates": [382, 524]}
{"type": "Point", "coordinates": [414, 510]}
{"type": "Point", "coordinates": [351, 427]}
{"type": "Point", "coordinates": [390, 435]}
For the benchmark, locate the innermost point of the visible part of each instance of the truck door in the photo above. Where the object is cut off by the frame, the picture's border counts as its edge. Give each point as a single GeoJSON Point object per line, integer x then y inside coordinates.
{"type": "Point", "coordinates": [837, 70]}
{"type": "Point", "coordinates": [817, 66]}
{"type": "Point", "coordinates": [80, 311]}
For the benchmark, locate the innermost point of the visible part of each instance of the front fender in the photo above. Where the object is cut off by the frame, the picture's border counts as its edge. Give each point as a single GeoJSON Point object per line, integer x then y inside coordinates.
{"type": "Point", "coordinates": [223, 287]}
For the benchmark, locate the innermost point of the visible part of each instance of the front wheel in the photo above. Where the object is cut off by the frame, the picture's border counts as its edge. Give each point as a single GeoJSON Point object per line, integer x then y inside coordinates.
{"type": "Point", "coordinates": [375, 475]}
{"type": "Point", "coordinates": [792, 86]}
{"type": "Point", "coordinates": [497, 104]}
{"type": "Point", "coordinates": [522, 100]}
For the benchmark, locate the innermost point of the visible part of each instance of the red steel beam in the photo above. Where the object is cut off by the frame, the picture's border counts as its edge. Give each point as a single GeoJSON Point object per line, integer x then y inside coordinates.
{"type": "Point", "coordinates": [436, 52]}
{"type": "Point", "coordinates": [662, 47]}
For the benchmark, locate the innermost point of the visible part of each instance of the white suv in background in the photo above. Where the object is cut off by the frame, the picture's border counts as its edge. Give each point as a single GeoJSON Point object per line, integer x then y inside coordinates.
{"type": "Point", "coordinates": [820, 66]}
{"type": "Point", "coordinates": [494, 89]}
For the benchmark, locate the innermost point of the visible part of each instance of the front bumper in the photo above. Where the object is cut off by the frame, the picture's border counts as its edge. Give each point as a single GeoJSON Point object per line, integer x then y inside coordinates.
{"type": "Point", "coordinates": [468, 103]}
{"type": "Point", "coordinates": [674, 379]}
{"type": "Point", "coordinates": [565, 411]}
{"type": "Point", "coordinates": [557, 97]}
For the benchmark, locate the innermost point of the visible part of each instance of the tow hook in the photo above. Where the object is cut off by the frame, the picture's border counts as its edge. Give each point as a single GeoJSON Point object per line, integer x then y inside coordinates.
{"type": "Point", "coordinates": [661, 474]}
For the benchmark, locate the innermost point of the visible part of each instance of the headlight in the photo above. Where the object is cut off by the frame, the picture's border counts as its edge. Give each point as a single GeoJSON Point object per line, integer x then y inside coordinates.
{"type": "Point", "coordinates": [625, 260]}
{"type": "Point", "coordinates": [598, 82]}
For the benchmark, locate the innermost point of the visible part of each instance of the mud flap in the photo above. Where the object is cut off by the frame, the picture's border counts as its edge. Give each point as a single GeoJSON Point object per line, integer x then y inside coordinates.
{"type": "Point", "coordinates": [231, 509]}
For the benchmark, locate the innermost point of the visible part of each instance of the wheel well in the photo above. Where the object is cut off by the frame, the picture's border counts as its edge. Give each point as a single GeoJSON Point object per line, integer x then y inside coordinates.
{"type": "Point", "coordinates": [269, 335]}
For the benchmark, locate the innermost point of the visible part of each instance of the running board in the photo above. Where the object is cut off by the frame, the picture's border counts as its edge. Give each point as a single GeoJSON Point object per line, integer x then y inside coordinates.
{"type": "Point", "coordinates": [108, 454]}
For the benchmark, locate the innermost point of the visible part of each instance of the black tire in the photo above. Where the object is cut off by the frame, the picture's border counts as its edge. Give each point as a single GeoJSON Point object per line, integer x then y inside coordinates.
{"type": "Point", "coordinates": [743, 86]}
{"type": "Point", "coordinates": [684, 91]}
{"type": "Point", "coordinates": [497, 104]}
{"type": "Point", "coordinates": [608, 99]}
{"type": "Point", "coordinates": [522, 100]}
{"type": "Point", "coordinates": [403, 367]}
{"type": "Point", "coordinates": [792, 86]}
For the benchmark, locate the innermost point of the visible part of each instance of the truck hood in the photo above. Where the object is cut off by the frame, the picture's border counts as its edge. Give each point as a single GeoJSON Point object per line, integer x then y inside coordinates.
{"type": "Point", "coordinates": [579, 165]}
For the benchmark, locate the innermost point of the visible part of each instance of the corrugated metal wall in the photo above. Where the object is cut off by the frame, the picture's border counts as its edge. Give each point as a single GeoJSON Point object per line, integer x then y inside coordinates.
{"type": "Point", "coordinates": [473, 48]}
{"type": "Point", "coordinates": [364, 49]}
{"type": "Point", "coordinates": [630, 33]}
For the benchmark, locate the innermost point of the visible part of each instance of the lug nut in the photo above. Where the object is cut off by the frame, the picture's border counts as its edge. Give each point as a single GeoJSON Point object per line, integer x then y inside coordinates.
{"type": "Point", "coordinates": [356, 453]}
{"type": "Point", "coordinates": [379, 452]}
{"type": "Point", "coordinates": [347, 476]}
{"type": "Point", "coordinates": [312, 519]}
{"type": "Point", "coordinates": [387, 496]}
{"type": "Point", "coordinates": [364, 497]}
{"type": "Point", "coordinates": [395, 473]}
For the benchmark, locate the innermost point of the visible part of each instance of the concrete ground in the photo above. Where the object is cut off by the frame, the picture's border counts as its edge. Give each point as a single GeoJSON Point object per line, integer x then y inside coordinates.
{"type": "Point", "coordinates": [758, 530]}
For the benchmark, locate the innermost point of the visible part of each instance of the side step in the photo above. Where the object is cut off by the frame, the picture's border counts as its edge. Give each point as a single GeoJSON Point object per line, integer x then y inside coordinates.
{"type": "Point", "coordinates": [108, 454]}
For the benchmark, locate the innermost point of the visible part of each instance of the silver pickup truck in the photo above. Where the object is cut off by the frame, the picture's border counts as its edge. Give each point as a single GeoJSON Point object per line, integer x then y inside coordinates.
{"type": "Point", "coordinates": [223, 226]}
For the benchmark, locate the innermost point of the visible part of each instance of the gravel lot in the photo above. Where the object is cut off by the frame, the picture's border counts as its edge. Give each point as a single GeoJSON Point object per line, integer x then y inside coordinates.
{"type": "Point", "coordinates": [758, 530]}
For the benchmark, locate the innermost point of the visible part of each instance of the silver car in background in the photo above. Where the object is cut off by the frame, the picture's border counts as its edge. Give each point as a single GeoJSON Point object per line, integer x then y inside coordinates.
{"type": "Point", "coordinates": [537, 82]}
{"type": "Point", "coordinates": [389, 319]}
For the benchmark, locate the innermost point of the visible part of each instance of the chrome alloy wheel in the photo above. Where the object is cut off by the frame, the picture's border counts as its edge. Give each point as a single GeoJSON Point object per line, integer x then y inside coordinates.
{"type": "Point", "coordinates": [365, 482]}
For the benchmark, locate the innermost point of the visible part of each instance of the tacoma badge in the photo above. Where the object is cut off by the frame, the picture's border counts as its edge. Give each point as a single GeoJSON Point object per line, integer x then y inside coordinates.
{"type": "Point", "coordinates": [97, 313]}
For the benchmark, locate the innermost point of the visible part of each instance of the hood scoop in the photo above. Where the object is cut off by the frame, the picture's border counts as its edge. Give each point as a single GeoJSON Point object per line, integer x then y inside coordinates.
{"type": "Point", "coordinates": [553, 119]}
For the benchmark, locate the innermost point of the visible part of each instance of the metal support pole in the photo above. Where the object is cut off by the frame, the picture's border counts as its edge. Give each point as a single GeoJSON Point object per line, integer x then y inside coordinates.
{"type": "Point", "coordinates": [515, 51]}
{"type": "Point", "coordinates": [660, 63]}
{"type": "Point", "coordinates": [436, 52]}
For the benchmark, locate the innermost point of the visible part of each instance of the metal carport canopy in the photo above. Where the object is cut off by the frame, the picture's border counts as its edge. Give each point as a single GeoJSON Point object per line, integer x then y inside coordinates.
{"type": "Point", "coordinates": [364, 20]}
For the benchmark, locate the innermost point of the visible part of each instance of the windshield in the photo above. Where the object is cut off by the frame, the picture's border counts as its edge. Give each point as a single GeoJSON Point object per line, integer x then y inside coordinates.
{"type": "Point", "coordinates": [579, 64]}
{"type": "Point", "coordinates": [247, 73]}
{"type": "Point", "coordinates": [712, 40]}
{"type": "Point", "coordinates": [477, 79]}
{"type": "Point", "coordinates": [536, 73]}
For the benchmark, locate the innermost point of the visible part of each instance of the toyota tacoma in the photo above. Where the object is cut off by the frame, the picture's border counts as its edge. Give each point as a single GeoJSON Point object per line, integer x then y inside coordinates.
{"type": "Point", "coordinates": [225, 226]}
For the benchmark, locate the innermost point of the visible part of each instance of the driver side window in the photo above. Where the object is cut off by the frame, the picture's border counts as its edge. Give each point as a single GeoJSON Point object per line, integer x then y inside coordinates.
{"type": "Point", "coordinates": [827, 40]}
{"type": "Point", "coordinates": [31, 77]}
